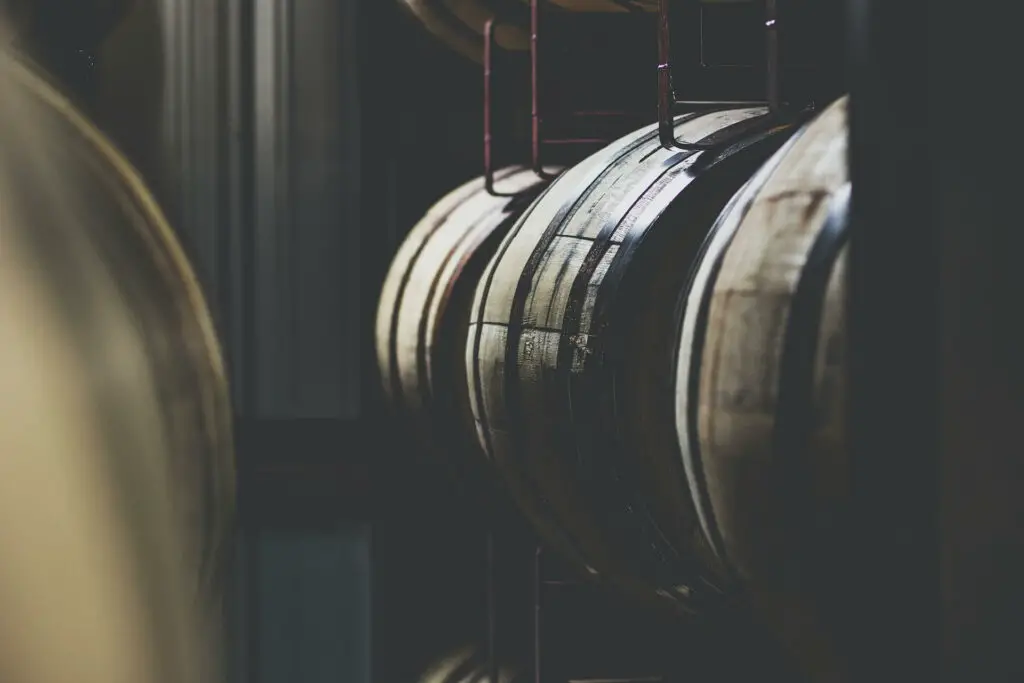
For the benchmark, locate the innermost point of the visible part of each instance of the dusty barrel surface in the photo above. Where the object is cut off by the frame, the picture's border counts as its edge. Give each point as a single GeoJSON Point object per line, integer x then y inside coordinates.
{"type": "Point", "coordinates": [760, 373]}
{"type": "Point", "coordinates": [423, 311]}
{"type": "Point", "coordinates": [103, 245]}
{"type": "Point", "coordinates": [113, 424]}
{"type": "Point", "coordinates": [571, 351]}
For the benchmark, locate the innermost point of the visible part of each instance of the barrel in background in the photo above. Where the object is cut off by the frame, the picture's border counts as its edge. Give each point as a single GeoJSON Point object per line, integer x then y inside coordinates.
{"type": "Point", "coordinates": [760, 383]}
{"type": "Point", "coordinates": [423, 317]}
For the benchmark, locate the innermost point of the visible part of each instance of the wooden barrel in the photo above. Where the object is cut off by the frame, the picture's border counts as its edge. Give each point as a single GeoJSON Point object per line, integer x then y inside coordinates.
{"type": "Point", "coordinates": [760, 376]}
{"type": "Point", "coordinates": [571, 351]}
{"type": "Point", "coordinates": [470, 665]}
{"type": "Point", "coordinates": [103, 341]}
{"type": "Point", "coordinates": [423, 313]}
{"type": "Point", "coordinates": [104, 246]}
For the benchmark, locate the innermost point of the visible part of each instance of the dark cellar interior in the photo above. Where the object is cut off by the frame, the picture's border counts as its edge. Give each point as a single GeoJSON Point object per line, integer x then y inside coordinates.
{"type": "Point", "coordinates": [293, 146]}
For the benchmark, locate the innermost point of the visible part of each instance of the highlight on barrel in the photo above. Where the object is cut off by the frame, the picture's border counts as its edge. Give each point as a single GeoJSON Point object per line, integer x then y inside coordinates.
{"type": "Point", "coordinates": [470, 664]}
{"type": "Point", "coordinates": [106, 360]}
{"type": "Point", "coordinates": [760, 377]}
{"type": "Point", "coordinates": [571, 352]}
{"type": "Point", "coordinates": [423, 312]}
{"type": "Point", "coordinates": [104, 247]}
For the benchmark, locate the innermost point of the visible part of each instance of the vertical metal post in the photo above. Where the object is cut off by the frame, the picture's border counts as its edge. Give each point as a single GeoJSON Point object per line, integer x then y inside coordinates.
{"type": "Point", "coordinates": [535, 121]}
{"type": "Point", "coordinates": [489, 110]}
{"type": "Point", "coordinates": [538, 586]}
{"type": "Point", "coordinates": [666, 93]}
{"type": "Point", "coordinates": [771, 19]}
{"type": "Point", "coordinates": [493, 665]}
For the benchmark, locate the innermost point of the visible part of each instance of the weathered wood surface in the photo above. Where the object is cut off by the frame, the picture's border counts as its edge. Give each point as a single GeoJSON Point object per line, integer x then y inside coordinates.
{"type": "Point", "coordinates": [571, 351]}
{"type": "Point", "coordinates": [114, 423]}
{"type": "Point", "coordinates": [760, 377]}
{"type": "Point", "coordinates": [423, 311]}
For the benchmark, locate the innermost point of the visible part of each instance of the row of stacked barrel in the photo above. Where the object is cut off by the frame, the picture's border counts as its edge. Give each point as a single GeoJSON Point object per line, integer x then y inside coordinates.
{"type": "Point", "coordinates": [118, 474]}
{"type": "Point", "coordinates": [646, 354]}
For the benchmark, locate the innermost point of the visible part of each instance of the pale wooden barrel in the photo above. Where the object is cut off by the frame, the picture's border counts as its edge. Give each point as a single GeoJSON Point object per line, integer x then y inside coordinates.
{"type": "Point", "coordinates": [571, 351]}
{"type": "Point", "coordinates": [423, 312]}
{"type": "Point", "coordinates": [760, 378]}
{"type": "Point", "coordinates": [103, 340]}
{"type": "Point", "coordinates": [88, 219]}
{"type": "Point", "coordinates": [470, 664]}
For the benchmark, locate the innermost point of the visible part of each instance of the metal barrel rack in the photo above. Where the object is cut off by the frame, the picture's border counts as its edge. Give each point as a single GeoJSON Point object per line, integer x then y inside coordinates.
{"type": "Point", "coordinates": [525, 590]}
{"type": "Point", "coordinates": [575, 129]}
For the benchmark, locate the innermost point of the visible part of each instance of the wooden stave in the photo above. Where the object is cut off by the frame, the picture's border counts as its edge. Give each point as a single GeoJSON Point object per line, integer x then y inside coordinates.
{"type": "Point", "coordinates": [487, 351]}
{"type": "Point", "coordinates": [730, 452]}
{"type": "Point", "coordinates": [98, 583]}
{"type": "Point", "coordinates": [156, 283]}
{"type": "Point", "coordinates": [422, 319]}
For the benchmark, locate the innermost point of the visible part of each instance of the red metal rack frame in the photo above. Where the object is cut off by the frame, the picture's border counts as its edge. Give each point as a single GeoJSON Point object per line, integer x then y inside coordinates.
{"type": "Point", "coordinates": [668, 104]}
{"type": "Point", "coordinates": [488, 112]}
{"type": "Point", "coordinates": [668, 101]}
{"type": "Point", "coordinates": [537, 114]}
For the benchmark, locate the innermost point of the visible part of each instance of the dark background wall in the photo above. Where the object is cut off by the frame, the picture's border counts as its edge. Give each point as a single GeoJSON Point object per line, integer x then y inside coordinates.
{"type": "Point", "coordinates": [301, 140]}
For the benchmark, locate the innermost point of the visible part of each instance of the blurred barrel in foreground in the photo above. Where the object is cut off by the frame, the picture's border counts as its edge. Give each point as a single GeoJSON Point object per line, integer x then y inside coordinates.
{"type": "Point", "coordinates": [760, 377]}
{"type": "Point", "coordinates": [571, 351]}
{"type": "Point", "coordinates": [125, 294]}
{"type": "Point", "coordinates": [113, 424]}
{"type": "Point", "coordinates": [423, 313]}
{"type": "Point", "coordinates": [470, 665]}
